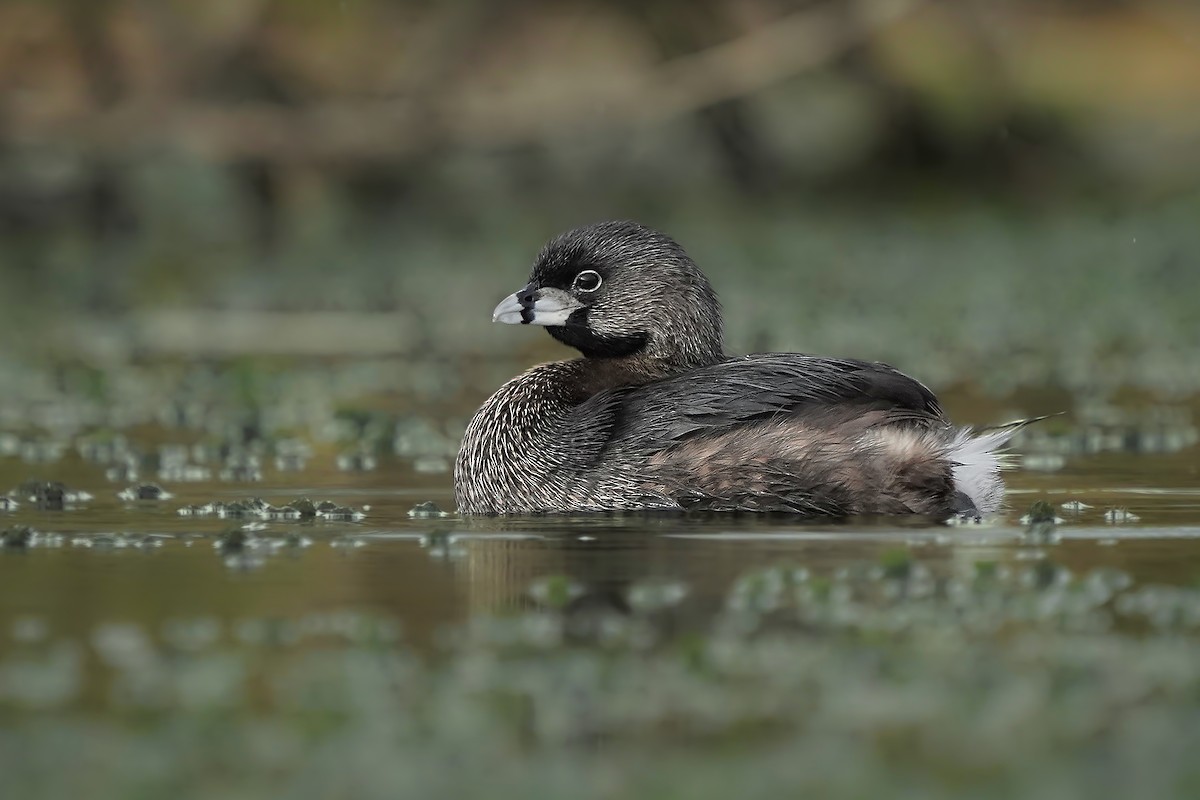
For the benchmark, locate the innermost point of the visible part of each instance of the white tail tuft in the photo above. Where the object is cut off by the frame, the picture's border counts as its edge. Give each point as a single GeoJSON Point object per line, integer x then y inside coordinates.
{"type": "Point", "coordinates": [977, 462]}
{"type": "Point", "coordinates": [977, 466]}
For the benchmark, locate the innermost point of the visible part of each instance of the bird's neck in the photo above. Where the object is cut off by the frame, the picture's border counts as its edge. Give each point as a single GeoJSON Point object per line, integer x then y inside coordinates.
{"type": "Point", "coordinates": [592, 375]}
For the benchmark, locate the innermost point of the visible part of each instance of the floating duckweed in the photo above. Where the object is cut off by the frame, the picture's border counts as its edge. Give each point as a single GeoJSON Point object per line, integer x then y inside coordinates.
{"type": "Point", "coordinates": [293, 447]}
{"type": "Point", "coordinates": [357, 462]}
{"type": "Point", "coordinates": [1039, 513]}
{"type": "Point", "coordinates": [555, 591]}
{"type": "Point", "coordinates": [41, 452]}
{"type": "Point", "coordinates": [1045, 574]}
{"type": "Point", "coordinates": [654, 595]}
{"type": "Point", "coordinates": [957, 676]}
{"type": "Point", "coordinates": [820, 589]}
{"type": "Point", "coordinates": [144, 491]}
{"type": "Point", "coordinates": [50, 679]}
{"type": "Point", "coordinates": [1120, 516]}
{"type": "Point", "coordinates": [986, 570]}
{"type": "Point", "coordinates": [766, 590]}
{"type": "Point", "coordinates": [1104, 583]}
{"type": "Point", "coordinates": [272, 632]}
{"type": "Point", "coordinates": [897, 564]}
{"type": "Point", "coordinates": [290, 463]}
{"type": "Point", "coordinates": [426, 510]}
{"type": "Point", "coordinates": [341, 514]}
{"type": "Point", "coordinates": [124, 472]}
{"type": "Point", "coordinates": [236, 540]}
{"type": "Point", "coordinates": [1166, 608]}
{"type": "Point", "coordinates": [242, 473]}
{"type": "Point", "coordinates": [122, 645]}
{"type": "Point", "coordinates": [1041, 524]}
{"type": "Point", "coordinates": [192, 635]}
{"type": "Point", "coordinates": [103, 447]}
{"type": "Point", "coordinates": [184, 473]}
{"type": "Point", "coordinates": [50, 495]}
{"type": "Point", "coordinates": [257, 508]}
{"type": "Point", "coordinates": [237, 509]}
{"type": "Point", "coordinates": [431, 465]}
{"type": "Point", "coordinates": [350, 626]}
{"type": "Point", "coordinates": [18, 538]}
{"type": "Point", "coordinates": [278, 514]}
{"type": "Point", "coordinates": [416, 438]}
{"type": "Point", "coordinates": [119, 541]}
{"type": "Point", "coordinates": [305, 507]}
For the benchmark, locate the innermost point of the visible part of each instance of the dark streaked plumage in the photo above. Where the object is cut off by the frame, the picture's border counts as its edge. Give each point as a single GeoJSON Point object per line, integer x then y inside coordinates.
{"type": "Point", "coordinates": [655, 416]}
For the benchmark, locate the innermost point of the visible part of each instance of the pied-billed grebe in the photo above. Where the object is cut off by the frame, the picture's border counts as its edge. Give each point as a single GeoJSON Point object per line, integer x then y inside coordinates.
{"type": "Point", "coordinates": [656, 416]}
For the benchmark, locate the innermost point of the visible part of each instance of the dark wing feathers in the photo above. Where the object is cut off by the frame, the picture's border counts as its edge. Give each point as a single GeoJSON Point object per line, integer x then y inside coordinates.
{"type": "Point", "coordinates": [715, 399]}
{"type": "Point", "coordinates": [590, 427]}
{"type": "Point", "coordinates": [756, 387]}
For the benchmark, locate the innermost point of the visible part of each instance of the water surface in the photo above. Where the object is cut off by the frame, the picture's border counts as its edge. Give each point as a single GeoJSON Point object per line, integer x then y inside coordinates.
{"type": "Point", "coordinates": [181, 655]}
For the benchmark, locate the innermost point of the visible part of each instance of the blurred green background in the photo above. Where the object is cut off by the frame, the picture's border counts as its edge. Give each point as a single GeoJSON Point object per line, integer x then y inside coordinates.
{"type": "Point", "coordinates": [1000, 193]}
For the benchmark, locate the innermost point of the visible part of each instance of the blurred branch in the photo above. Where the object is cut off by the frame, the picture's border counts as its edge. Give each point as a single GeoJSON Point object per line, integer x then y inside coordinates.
{"type": "Point", "coordinates": [798, 43]}
{"type": "Point", "coordinates": [347, 131]}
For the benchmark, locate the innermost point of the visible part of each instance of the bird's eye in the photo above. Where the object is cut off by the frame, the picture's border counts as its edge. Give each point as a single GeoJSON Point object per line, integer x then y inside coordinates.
{"type": "Point", "coordinates": [588, 281]}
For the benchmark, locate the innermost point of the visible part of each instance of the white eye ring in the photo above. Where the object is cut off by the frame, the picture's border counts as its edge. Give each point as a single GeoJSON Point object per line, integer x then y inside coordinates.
{"type": "Point", "coordinates": [588, 274]}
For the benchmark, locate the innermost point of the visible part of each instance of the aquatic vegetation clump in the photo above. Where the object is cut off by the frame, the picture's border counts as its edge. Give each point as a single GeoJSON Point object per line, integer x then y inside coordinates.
{"type": "Point", "coordinates": [255, 507]}
{"type": "Point", "coordinates": [1120, 516]}
{"type": "Point", "coordinates": [357, 461]}
{"type": "Point", "coordinates": [427, 510]}
{"type": "Point", "coordinates": [347, 542]}
{"type": "Point", "coordinates": [184, 473]}
{"type": "Point", "coordinates": [258, 508]}
{"type": "Point", "coordinates": [1042, 524]}
{"type": "Point", "coordinates": [50, 495]}
{"type": "Point", "coordinates": [120, 541]}
{"type": "Point", "coordinates": [102, 447]}
{"type": "Point", "coordinates": [555, 591]}
{"type": "Point", "coordinates": [292, 455]}
{"type": "Point", "coordinates": [18, 538]}
{"type": "Point", "coordinates": [652, 595]}
{"type": "Point", "coordinates": [150, 492]}
{"type": "Point", "coordinates": [124, 472]}
{"type": "Point", "coordinates": [420, 438]}
{"type": "Point", "coordinates": [241, 473]}
{"type": "Point", "coordinates": [23, 537]}
{"type": "Point", "coordinates": [41, 451]}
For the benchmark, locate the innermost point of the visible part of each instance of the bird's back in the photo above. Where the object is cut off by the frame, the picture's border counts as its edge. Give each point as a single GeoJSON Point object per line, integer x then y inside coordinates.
{"type": "Point", "coordinates": [780, 432]}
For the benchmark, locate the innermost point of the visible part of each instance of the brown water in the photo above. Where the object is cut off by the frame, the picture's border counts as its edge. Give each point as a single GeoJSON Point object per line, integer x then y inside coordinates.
{"type": "Point", "coordinates": [696, 655]}
{"type": "Point", "coordinates": [429, 573]}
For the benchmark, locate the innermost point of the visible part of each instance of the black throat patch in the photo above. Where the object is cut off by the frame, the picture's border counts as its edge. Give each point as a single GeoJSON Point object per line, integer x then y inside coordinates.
{"type": "Point", "coordinates": [577, 334]}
